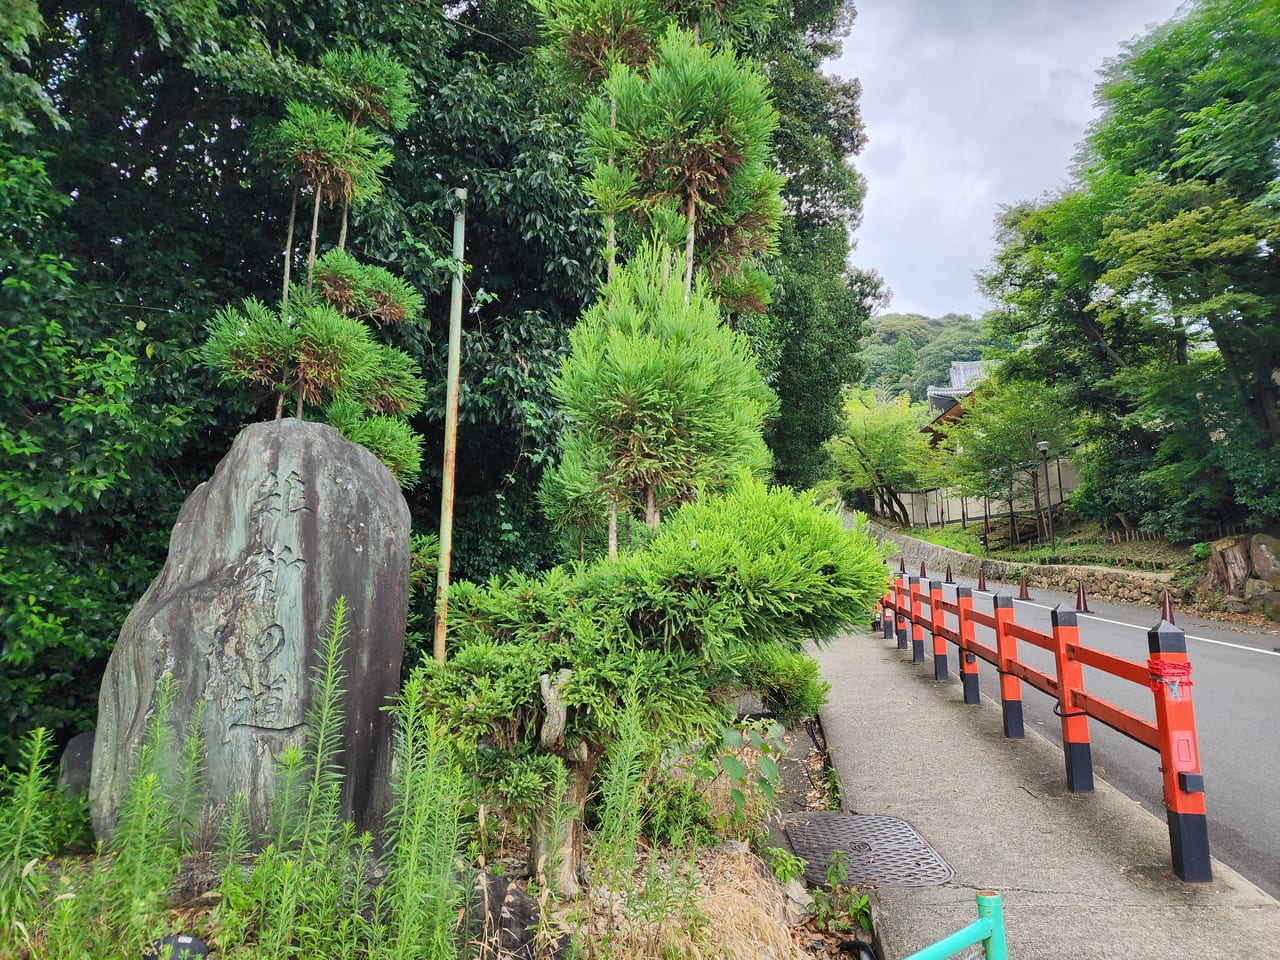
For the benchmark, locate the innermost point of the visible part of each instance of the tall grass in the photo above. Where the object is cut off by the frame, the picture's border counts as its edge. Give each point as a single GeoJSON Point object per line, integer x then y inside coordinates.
{"type": "Point", "coordinates": [304, 892]}
{"type": "Point", "coordinates": [309, 893]}
{"type": "Point", "coordinates": [420, 900]}
{"type": "Point", "coordinates": [188, 804]}
{"type": "Point", "coordinates": [113, 905]}
{"type": "Point", "coordinates": [144, 845]}
{"type": "Point", "coordinates": [621, 795]}
{"type": "Point", "coordinates": [321, 821]}
{"type": "Point", "coordinates": [648, 910]}
{"type": "Point", "coordinates": [25, 822]}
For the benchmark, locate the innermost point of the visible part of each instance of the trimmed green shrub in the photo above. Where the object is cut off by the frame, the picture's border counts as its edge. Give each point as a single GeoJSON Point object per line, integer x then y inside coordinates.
{"type": "Point", "coordinates": [545, 663]}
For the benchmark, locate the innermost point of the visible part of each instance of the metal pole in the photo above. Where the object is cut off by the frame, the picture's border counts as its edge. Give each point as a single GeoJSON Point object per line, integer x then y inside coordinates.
{"type": "Point", "coordinates": [1048, 494]}
{"type": "Point", "coordinates": [987, 930]}
{"type": "Point", "coordinates": [459, 204]}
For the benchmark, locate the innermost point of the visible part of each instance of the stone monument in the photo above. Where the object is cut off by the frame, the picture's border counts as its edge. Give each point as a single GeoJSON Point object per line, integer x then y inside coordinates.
{"type": "Point", "coordinates": [294, 517]}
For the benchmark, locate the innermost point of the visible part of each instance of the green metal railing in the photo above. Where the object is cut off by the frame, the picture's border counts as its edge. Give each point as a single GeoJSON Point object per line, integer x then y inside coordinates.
{"type": "Point", "coordinates": [987, 931]}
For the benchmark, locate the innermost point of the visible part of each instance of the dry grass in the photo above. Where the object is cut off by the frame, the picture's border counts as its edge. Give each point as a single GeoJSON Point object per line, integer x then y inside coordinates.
{"type": "Point", "coordinates": [726, 906]}
{"type": "Point", "coordinates": [745, 906]}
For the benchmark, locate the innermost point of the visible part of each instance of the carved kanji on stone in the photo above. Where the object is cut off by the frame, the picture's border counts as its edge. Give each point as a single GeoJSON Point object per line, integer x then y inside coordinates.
{"type": "Point", "coordinates": [294, 517]}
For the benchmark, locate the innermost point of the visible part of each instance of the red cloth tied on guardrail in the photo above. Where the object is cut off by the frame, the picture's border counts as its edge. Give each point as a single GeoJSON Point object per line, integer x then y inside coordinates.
{"type": "Point", "coordinates": [1170, 672]}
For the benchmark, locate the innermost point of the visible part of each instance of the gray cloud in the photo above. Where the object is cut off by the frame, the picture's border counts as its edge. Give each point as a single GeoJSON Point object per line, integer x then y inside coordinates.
{"type": "Point", "coordinates": [970, 104]}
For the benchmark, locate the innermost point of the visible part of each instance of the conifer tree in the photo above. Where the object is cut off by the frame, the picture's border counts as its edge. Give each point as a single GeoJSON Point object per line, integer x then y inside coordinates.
{"type": "Point", "coordinates": [668, 396]}
{"type": "Point", "coordinates": [317, 348]}
{"type": "Point", "coordinates": [588, 39]}
{"type": "Point", "coordinates": [692, 133]}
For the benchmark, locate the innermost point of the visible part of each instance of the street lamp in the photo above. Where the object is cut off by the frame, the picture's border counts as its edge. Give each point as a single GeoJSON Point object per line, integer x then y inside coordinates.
{"type": "Point", "coordinates": [1043, 447]}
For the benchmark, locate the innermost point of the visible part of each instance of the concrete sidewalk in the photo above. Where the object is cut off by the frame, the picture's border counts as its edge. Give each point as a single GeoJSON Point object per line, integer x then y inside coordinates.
{"type": "Point", "coordinates": [1082, 877]}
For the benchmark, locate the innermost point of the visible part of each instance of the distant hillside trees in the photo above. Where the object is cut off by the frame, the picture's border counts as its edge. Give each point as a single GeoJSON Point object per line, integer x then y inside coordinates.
{"type": "Point", "coordinates": [906, 353]}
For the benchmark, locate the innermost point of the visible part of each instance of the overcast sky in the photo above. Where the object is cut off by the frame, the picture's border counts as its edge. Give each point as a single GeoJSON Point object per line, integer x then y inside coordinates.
{"type": "Point", "coordinates": [970, 104]}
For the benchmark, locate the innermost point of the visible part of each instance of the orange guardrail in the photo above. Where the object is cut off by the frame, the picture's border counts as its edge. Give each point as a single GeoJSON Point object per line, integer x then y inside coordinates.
{"type": "Point", "coordinates": [1167, 673]}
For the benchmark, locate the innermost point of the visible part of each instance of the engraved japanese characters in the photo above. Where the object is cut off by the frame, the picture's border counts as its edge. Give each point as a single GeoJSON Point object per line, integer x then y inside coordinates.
{"type": "Point", "coordinates": [294, 517]}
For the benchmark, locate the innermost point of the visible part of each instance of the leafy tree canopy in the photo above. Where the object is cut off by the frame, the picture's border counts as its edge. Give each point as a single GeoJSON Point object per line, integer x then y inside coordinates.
{"type": "Point", "coordinates": [1159, 262]}
{"type": "Point", "coordinates": [141, 196]}
{"type": "Point", "coordinates": [879, 450]}
{"type": "Point", "coordinates": [821, 302]}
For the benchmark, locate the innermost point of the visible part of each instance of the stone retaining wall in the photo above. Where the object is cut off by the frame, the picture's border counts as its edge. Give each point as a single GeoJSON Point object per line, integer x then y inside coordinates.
{"type": "Point", "coordinates": [1103, 583]}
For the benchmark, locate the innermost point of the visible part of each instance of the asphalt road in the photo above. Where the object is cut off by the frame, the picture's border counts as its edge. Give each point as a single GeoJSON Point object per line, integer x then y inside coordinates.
{"type": "Point", "coordinates": [1236, 694]}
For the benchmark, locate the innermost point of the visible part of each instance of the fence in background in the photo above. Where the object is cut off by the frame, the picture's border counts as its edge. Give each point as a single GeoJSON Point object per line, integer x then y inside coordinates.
{"type": "Point", "coordinates": [1167, 673]}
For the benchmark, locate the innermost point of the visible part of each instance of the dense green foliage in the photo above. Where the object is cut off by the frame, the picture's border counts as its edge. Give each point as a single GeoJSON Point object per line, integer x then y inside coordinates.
{"type": "Point", "coordinates": [664, 406]}
{"type": "Point", "coordinates": [1149, 289]}
{"type": "Point", "coordinates": [820, 302]}
{"type": "Point", "coordinates": [992, 451]}
{"type": "Point", "coordinates": [148, 212]}
{"type": "Point", "coordinates": [711, 602]}
{"type": "Point", "coordinates": [155, 159]}
{"type": "Point", "coordinates": [93, 419]}
{"type": "Point", "coordinates": [878, 450]}
{"type": "Point", "coordinates": [153, 314]}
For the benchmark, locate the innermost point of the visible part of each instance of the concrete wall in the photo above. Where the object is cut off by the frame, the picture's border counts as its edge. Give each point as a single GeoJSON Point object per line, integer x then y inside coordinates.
{"type": "Point", "coordinates": [1103, 583]}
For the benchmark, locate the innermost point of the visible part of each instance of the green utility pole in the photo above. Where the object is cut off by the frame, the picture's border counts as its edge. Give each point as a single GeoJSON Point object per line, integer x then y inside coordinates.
{"type": "Point", "coordinates": [459, 204]}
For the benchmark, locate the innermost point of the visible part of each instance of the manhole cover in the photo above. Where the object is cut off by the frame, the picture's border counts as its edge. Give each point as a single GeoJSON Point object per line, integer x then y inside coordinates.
{"type": "Point", "coordinates": [878, 851]}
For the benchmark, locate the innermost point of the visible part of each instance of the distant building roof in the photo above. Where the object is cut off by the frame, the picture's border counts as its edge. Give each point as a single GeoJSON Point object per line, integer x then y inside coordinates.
{"type": "Point", "coordinates": [966, 373]}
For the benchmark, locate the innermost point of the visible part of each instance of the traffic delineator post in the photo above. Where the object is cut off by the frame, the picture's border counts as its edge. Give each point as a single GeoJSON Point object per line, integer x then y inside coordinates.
{"type": "Point", "coordinates": [917, 628]}
{"type": "Point", "coordinates": [1075, 722]}
{"type": "Point", "coordinates": [936, 615]}
{"type": "Point", "coordinates": [1179, 752]}
{"type": "Point", "coordinates": [968, 660]}
{"type": "Point", "coordinates": [900, 618]}
{"type": "Point", "coordinates": [1007, 650]}
{"type": "Point", "coordinates": [886, 605]}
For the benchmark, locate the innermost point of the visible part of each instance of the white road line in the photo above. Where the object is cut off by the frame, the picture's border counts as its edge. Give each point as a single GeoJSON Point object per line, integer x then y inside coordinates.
{"type": "Point", "coordinates": [1190, 636]}
{"type": "Point", "coordinates": [1237, 646]}
{"type": "Point", "coordinates": [1119, 623]}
